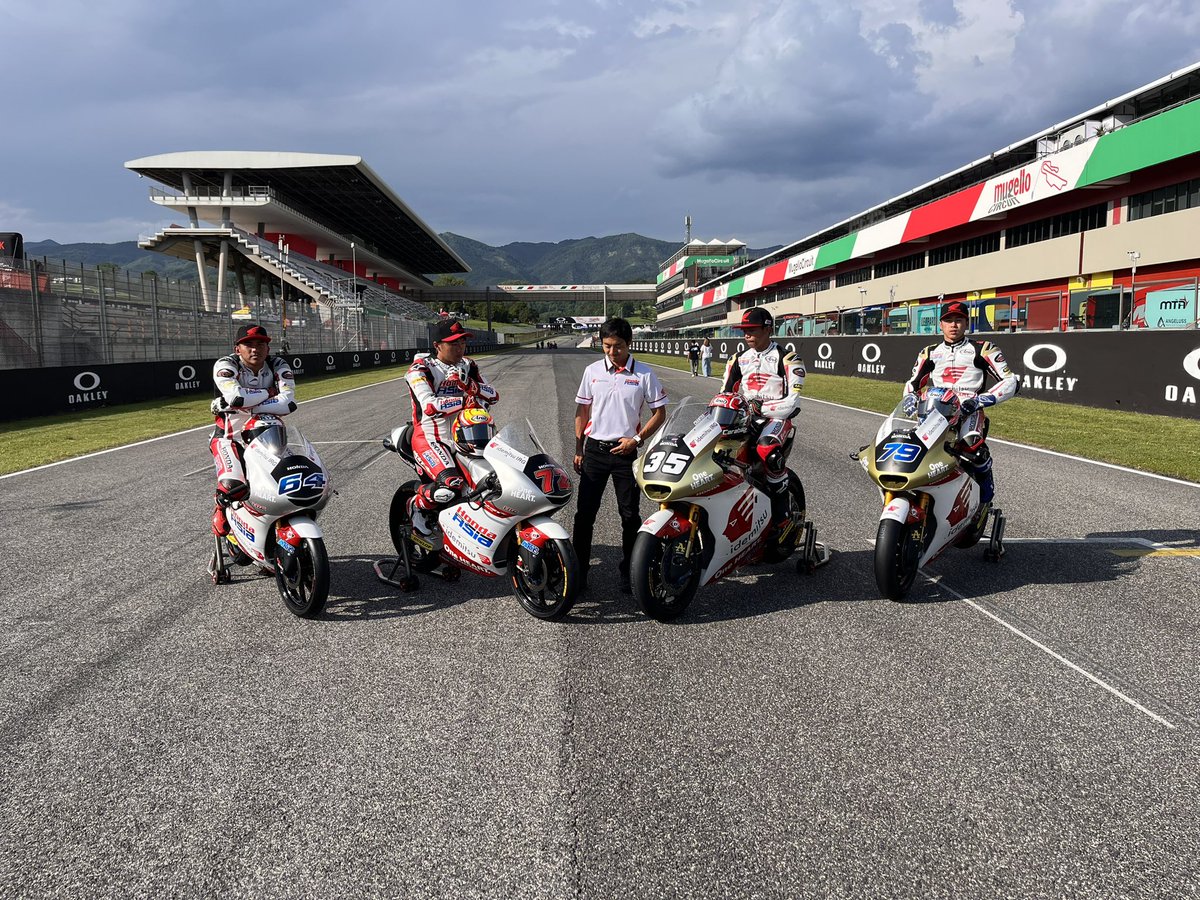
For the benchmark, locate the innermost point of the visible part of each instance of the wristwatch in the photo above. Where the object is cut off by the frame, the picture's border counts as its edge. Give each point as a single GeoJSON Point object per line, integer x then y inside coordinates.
{"type": "Point", "coordinates": [637, 438]}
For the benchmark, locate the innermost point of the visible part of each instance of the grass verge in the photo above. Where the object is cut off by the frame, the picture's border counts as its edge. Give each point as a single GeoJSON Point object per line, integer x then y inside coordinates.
{"type": "Point", "coordinates": [1162, 444]}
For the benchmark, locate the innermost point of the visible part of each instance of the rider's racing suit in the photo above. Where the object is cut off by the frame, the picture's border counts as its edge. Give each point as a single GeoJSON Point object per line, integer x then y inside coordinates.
{"type": "Point", "coordinates": [243, 394]}
{"type": "Point", "coordinates": [770, 381]}
{"type": "Point", "coordinates": [966, 367]}
{"type": "Point", "coordinates": [439, 391]}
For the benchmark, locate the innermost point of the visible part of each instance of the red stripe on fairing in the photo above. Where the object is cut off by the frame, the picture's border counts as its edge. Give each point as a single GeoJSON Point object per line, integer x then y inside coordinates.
{"type": "Point", "coordinates": [775, 272]}
{"type": "Point", "coordinates": [942, 214]}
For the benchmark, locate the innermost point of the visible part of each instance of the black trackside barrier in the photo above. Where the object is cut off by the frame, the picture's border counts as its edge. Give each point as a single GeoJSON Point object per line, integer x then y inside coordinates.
{"type": "Point", "coordinates": [60, 389]}
{"type": "Point", "coordinates": [1139, 371]}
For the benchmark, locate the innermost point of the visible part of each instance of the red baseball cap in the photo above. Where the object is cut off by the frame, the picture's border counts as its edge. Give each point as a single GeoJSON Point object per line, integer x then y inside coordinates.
{"type": "Point", "coordinates": [449, 330]}
{"type": "Point", "coordinates": [252, 333]}
{"type": "Point", "coordinates": [957, 308]}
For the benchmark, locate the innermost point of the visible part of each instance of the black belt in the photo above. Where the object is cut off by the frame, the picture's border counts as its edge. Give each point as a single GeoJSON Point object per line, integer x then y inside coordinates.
{"type": "Point", "coordinates": [603, 446]}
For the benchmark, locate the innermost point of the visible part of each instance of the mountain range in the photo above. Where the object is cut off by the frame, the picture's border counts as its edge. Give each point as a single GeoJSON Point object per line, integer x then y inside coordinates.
{"type": "Point", "coordinates": [615, 259]}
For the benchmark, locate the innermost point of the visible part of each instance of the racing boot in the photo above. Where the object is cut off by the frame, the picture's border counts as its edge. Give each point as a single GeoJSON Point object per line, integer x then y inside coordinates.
{"type": "Point", "coordinates": [220, 524]}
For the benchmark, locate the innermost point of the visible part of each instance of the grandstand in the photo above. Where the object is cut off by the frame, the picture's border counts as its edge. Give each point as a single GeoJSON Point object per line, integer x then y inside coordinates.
{"type": "Point", "coordinates": [1087, 224]}
{"type": "Point", "coordinates": [325, 229]}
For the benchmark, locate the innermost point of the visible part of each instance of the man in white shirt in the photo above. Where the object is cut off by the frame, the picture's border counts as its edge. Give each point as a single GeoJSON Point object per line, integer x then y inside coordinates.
{"type": "Point", "coordinates": [608, 432]}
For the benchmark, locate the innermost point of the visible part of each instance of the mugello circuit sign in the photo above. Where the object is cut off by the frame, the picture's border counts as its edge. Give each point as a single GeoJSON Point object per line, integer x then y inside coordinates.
{"type": "Point", "coordinates": [1062, 367]}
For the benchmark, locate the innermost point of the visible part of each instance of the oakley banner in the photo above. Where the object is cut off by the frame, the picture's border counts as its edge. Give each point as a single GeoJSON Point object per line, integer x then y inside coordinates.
{"type": "Point", "coordinates": [1141, 371]}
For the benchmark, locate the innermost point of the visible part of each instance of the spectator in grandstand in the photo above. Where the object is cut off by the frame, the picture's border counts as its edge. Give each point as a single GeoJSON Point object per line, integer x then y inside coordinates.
{"type": "Point", "coordinates": [966, 366]}
{"type": "Point", "coordinates": [694, 358]}
{"type": "Point", "coordinates": [249, 382]}
{"type": "Point", "coordinates": [439, 384]}
{"type": "Point", "coordinates": [608, 431]}
{"type": "Point", "coordinates": [706, 358]}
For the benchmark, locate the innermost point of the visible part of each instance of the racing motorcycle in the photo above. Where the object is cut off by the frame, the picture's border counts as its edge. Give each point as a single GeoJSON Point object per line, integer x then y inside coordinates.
{"type": "Point", "coordinates": [712, 517]}
{"type": "Point", "coordinates": [275, 527]}
{"type": "Point", "coordinates": [929, 501]}
{"type": "Point", "coordinates": [502, 526]}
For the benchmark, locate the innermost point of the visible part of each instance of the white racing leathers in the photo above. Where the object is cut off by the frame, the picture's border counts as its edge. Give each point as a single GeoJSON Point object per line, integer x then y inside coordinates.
{"type": "Point", "coordinates": [772, 380]}
{"type": "Point", "coordinates": [439, 392]}
{"type": "Point", "coordinates": [244, 394]}
{"type": "Point", "coordinates": [967, 367]}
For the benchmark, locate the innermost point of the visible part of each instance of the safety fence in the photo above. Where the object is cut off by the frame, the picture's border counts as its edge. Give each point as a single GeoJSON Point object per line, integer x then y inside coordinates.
{"type": "Point", "coordinates": [55, 313]}
{"type": "Point", "coordinates": [1149, 371]}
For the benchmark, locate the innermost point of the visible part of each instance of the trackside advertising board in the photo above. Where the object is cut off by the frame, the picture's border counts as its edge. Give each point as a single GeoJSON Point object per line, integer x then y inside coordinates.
{"type": "Point", "coordinates": [1141, 371]}
{"type": "Point", "coordinates": [60, 389]}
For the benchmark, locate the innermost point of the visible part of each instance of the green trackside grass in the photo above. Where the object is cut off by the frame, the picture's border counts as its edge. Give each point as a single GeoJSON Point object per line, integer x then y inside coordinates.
{"type": "Point", "coordinates": [35, 442]}
{"type": "Point", "coordinates": [1162, 444]}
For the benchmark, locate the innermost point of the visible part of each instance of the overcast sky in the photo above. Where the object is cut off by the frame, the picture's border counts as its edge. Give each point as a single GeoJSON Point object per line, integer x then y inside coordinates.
{"type": "Point", "coordinates": [541, 120]}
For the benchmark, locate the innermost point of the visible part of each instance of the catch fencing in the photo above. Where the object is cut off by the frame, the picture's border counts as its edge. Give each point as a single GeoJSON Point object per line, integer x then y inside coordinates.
{"type": "Point", "coordinates": [55, 313]}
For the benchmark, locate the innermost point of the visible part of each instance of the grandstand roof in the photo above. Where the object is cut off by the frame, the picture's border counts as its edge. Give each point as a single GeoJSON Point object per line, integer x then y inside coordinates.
{"type": "Point", "coordinates": [341, 194]}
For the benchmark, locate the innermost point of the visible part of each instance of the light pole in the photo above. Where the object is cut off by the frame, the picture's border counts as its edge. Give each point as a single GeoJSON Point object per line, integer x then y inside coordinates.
{"type": "Point", "coordinates": [354, 292]}
{"type": "Point", "coordinates": [283, 252]}
{"type": "Point", "coordinates": [1134, 256]}
{"type": "Point", "coordinates": [862, 313]}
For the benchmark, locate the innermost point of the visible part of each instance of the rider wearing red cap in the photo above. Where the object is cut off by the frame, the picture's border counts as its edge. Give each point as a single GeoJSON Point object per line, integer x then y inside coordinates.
{"type": "Point", "coordinates": [965, 366]}
{"type": "Point", "coordinates": [249, 381]}
{"type": "Point", "coordinates": [770, 380]}
{"type": "Point", "coordinates": [439, 383]}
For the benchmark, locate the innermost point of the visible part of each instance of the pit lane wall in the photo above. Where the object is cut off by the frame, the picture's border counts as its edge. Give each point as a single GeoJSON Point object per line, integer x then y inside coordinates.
{"type": "Point", "coordinates": [1147, 372]}
{"type": "Point", "coordinates": [65, 389]}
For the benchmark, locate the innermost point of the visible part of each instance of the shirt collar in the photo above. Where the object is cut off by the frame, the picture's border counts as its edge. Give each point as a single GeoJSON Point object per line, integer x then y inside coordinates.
{"type": "Point", "coordinates": [611, 368]}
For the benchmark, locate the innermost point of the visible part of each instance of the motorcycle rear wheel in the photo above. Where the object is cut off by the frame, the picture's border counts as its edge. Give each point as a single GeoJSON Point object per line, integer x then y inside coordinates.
{"type": "Point", "coordinates": [550, 589]}
{"type": "Point", "coordinates": [664, 580]}
{"type": "Point", "coordinates": [897, 558]}
{"type": "Point", "coordinates": [304, 594]}
{"type": "Point", "coordinates": [398, 524]}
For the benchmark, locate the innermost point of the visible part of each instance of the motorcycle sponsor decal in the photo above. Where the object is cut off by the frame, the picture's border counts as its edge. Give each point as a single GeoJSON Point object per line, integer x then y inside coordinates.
{"type": "Point", "coordinates": [477, 532]}
{"type": "Point", "coordinates": [937, 468]}
{"type": "Point", "coordinates": [456, 557]}
{"type": "Point", "coordinates": [87, 383]}
{"type": "Point", "coordinates": [962, 504]}
{"type": "Point", "coordinates": [702, 478]}
{"type": "Point", "coordinates": [739, 517]}
{"type": "Point", "coordinates": [430, 458]}
{"type": "Point", "coordinates": [520, 493]}
{"type": "Point", "coordinates": [931, 428]}
{"type": "Point", "coordinates": [241, 526]}
{"type": "Point", "coordinates": [531, 547]}
{"type": "Point", "coordinates": [508, 454]}
{"type": "Point", "coordinates": [703, 433]}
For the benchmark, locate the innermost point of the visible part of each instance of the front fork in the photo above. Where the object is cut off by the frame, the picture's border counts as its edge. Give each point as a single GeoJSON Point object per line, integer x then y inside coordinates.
{"type": "Point", "coordinates": [918, 514]}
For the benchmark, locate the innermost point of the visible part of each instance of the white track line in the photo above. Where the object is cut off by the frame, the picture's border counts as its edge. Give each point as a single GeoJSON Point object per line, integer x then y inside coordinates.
{"type": "Point", "coordinates": [1083, 459]}
{"type": "Point", "coordinates": [163, 437]}
{"type": "Point", "coordinates": [1056, 655]}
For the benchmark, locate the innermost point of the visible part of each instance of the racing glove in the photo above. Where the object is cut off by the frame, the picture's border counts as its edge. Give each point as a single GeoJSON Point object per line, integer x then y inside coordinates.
{"type": "Point", "coordinates": [980, 402]}
{"type": "Point", "coordinates": [910, 404]}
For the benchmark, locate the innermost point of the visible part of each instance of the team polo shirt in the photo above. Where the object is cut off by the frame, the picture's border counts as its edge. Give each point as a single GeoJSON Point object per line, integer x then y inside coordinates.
{"type": "Point", "coordinates": [616, 396]}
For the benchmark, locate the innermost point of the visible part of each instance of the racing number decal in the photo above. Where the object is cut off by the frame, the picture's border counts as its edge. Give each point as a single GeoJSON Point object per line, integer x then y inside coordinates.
{"type": "Point", "coordinates": [552, 479]}
{"type": "Point", "coordinates": [904, 453]}
{"type": "Point", "coordinates": [290, 484]}
{"type": "Point", "coordinates": [670, 463]}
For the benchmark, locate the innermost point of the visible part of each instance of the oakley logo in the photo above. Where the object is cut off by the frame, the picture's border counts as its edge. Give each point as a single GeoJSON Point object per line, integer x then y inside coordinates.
{"type": "Point", "coordinates": [825, 351]}
{"type": "Point", "coordinates": [1060, 358]}
{"type": "Point", "coordinates": [870, 352]}
{"type": "Point", "coordinates": [186, 373]}
{"type": "Point", "coordinates": [87, 381]}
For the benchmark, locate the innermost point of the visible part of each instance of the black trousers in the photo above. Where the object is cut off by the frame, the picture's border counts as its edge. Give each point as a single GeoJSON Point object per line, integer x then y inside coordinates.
{"type": "Point", "coordinates": [598, 466]}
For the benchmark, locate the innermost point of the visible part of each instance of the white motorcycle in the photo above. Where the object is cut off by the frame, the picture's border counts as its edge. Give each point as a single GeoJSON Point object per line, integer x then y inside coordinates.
{"type": "Point", "coordinates": [501, 527]}
{"type": "Point", "coordinates": [275, 527]}
{"type": "Point", "coordinates": [929, 501]}
{"type": "Point", "coordinates": [712, 519]}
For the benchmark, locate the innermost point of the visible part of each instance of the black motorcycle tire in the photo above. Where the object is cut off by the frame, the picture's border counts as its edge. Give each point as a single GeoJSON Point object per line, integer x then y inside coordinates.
{"type": "Point", "coordinates": [897, 558]}
{"type": "Point", "coordinates": [556, 595]}
{"type": "Point", "coordinates": [422, 560]}
{"type": "Point", "coordinates": [305, 594]}
{"type": "Point", "coordinates": [651, 587]}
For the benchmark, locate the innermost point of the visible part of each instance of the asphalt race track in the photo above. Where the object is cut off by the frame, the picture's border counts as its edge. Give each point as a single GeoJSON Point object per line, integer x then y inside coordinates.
{"type": "Point", "coordinates": [1022, 729]}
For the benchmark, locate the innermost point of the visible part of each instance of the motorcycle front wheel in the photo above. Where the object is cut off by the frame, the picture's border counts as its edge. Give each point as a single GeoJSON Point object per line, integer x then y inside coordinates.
{"type": "Point", "coordinates": [305, 591]}
{"type": "Point", "coordinates": [547, 586]}
{"type": "Point", "coordinates": [897, 558]}
{"type": "Point", "coordinates": [664, 578]}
